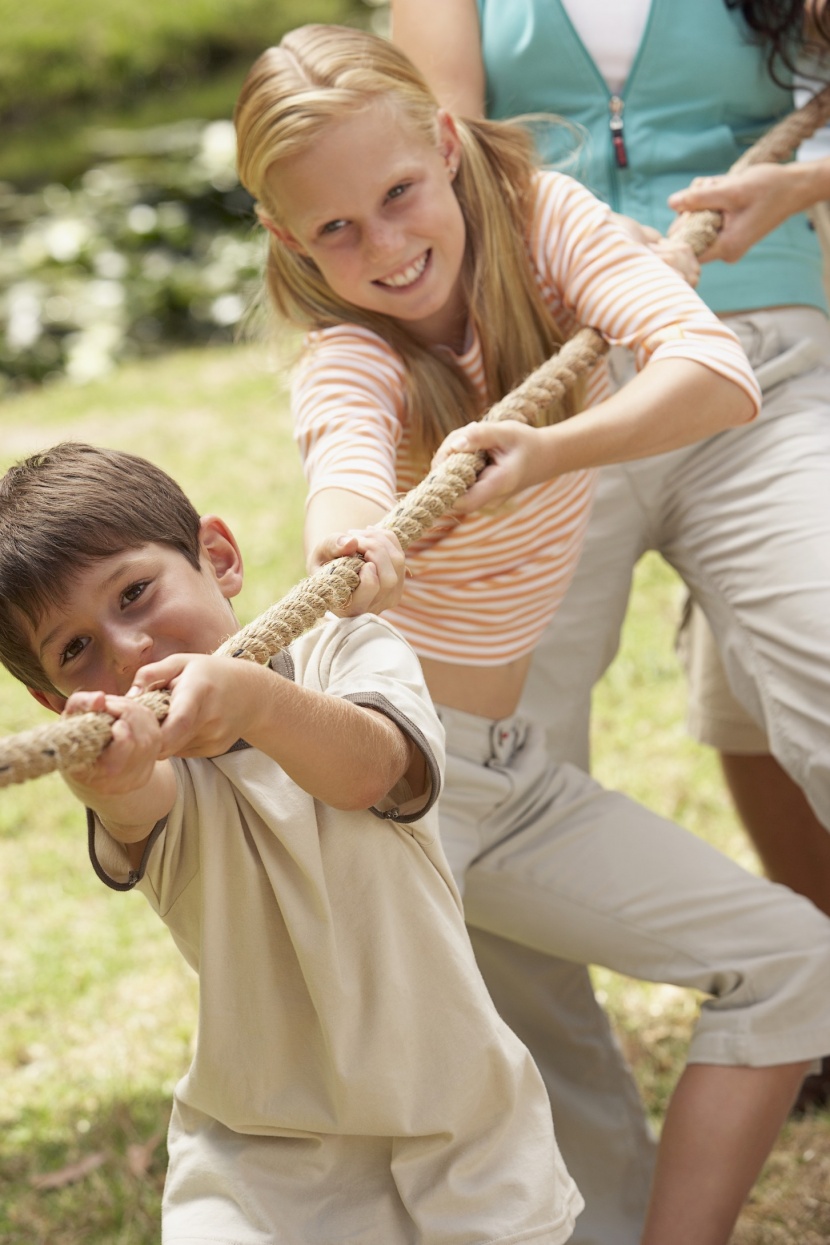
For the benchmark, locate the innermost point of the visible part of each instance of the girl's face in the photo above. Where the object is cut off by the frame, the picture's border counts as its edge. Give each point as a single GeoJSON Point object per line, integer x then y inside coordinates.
{"type": "Point", "coordinates": [372, 204]}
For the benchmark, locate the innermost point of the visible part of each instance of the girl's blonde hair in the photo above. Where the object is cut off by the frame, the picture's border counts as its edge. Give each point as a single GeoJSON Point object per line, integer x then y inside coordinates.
{"type": "Point", "coordinates": [323, 73]}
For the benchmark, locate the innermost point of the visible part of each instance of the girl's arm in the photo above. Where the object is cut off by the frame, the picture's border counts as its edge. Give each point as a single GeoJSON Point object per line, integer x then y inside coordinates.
{"type": "Point", "coordinates": [443, 38]}
{"type": "Point", "coordinates": [754, 202]}
{"type": "Point", "coordinates": [671, 403]}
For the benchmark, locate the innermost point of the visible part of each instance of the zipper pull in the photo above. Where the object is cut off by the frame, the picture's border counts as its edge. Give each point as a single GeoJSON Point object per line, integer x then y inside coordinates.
{"type": "Point", "coordinates": [615, 121]}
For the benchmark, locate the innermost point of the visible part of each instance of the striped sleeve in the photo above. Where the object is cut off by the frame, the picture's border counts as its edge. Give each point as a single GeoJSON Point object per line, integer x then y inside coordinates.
{"type": "Point", "coordinates": [598, 276]}
{"type": "Point", "coordinates": [347, 402]}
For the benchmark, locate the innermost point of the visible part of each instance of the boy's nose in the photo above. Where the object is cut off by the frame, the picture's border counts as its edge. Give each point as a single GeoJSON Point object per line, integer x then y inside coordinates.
{"type": "Point", "coordinates": [130, 650]}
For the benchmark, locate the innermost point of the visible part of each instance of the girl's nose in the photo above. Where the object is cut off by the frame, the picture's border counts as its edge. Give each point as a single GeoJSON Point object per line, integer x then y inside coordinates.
{"type": "Point", "coordinates": [383, 239]}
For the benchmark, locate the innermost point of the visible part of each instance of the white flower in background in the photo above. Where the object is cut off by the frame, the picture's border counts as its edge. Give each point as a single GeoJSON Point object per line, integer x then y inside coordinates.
{"type": "Point", "coordinates": [217, 154]}
{"type": "Point", "coordinates": [24, 323]}
{"type": "Point", "coordinates": [65, 238]}
{"type": "Point", "coordinates": [91, 353]}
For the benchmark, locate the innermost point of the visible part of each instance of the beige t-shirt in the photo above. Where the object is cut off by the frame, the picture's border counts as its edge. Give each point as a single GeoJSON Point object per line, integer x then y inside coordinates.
{"type": "Point", "coordinates": [339, 995]}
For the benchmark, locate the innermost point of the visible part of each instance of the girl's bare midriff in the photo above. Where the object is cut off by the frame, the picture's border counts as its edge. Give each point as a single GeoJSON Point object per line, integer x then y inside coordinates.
{"type": "Point", "coordinates": [488, 691]}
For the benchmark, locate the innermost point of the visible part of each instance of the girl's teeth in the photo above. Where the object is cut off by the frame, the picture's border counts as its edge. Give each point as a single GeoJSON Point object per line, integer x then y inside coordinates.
{"type": "Point", "coordinates": [408, 275]}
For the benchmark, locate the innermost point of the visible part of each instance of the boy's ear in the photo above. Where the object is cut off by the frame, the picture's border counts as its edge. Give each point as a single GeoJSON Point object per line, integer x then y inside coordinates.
{"type": "Point", "coordinates": [222, 553]}
{"type": "Point", "coordinates": [282, 235]}
{"type": "Point", "coordinates": [49, 700]}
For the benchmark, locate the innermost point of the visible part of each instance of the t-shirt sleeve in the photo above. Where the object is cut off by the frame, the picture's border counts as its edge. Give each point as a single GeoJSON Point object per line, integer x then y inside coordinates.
{"type": "Point", "coordinates": [367, 661]}
{"type": "Point", "coordinates": [588, 265]}
{"type": "Point", "coordinates": [170, 859]}
{"type": "Point", "coordinates": [347, 405]}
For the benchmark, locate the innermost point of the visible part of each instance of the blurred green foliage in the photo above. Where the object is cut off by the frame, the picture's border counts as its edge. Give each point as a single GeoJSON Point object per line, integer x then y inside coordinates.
{"type": "Point", "coordinates": [57, 52]}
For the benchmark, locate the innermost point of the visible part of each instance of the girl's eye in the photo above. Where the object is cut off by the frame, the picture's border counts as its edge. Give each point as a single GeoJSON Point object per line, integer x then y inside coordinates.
{"type": "Point", "coordinates": [133, 592]}
{"type": "Point", "coordinates": [397, 191]}
{"type": "Point", "coordinates": [333, 226]}
{"type": "Point", "coordinates": [73, 649]}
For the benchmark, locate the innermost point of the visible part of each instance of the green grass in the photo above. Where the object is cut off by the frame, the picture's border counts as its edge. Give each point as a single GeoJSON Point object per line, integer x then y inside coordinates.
{"type": "Point", "coordinates": [98, 1008]}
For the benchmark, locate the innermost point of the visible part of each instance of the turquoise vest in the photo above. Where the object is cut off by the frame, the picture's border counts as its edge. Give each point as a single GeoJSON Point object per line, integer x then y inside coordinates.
{"type": "Point", "coordinates": [697, 96]}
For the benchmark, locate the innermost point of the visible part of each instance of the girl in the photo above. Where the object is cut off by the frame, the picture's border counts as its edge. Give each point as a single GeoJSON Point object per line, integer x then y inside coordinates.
{"type": "Point", "coordinates": [433, 268]}
{"type": "Point", "coordinates": [743, 518]}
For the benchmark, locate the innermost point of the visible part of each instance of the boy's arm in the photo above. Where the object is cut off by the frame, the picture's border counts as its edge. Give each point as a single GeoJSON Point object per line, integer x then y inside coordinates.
{"type": "Point", "coordinates": [345, 754]}
{"type": "Point", "coordinates": [128, 787]}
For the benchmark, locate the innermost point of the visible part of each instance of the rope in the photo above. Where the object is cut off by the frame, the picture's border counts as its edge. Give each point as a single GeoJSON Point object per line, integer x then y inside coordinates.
{"type": "Point", "coordinates": [70, 743]}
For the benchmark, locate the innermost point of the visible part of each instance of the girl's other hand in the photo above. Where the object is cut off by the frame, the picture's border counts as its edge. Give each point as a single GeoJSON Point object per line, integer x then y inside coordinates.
{"type": "Point", "coordinates": [383, 575]}
{"type": "Point", "coordinates": [511, 448]}
{"type": "Point", "coordinates": [678, 255]}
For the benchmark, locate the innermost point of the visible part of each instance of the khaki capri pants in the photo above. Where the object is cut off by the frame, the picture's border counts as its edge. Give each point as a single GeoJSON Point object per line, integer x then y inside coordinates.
{"type": "Point", "coordinates": [557, 873]}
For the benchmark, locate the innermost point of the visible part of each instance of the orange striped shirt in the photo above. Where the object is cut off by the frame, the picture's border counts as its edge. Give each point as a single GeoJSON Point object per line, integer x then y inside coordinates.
{"type": "Point", "coordinates": [485, 586]}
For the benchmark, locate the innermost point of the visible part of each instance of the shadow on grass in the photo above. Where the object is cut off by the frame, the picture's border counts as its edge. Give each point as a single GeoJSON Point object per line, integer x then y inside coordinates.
{"type": "Point", "coordinates": [108, 1172]}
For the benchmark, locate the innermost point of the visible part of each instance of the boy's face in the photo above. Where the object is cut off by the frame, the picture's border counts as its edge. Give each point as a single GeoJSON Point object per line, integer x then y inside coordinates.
{"type": "Point", "coordinates": [138, 606]}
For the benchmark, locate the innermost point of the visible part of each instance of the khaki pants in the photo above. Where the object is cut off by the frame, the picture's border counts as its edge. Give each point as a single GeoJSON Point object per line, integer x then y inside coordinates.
{"type": "Point", "coordinates": [551, 862]}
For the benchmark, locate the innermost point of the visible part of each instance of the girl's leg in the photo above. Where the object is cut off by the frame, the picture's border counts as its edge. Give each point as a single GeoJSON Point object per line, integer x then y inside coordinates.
{"type": "Point", "coordinates": [585, 874]}
{"type": "Point", "coordinates": [598, 1116]}
{"type": "Point", "coordinates": [720, 1126]}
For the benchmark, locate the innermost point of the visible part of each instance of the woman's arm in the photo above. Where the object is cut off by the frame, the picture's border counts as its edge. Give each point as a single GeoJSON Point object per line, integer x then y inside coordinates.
{"type": "Point", "coordinates": [443, 38]}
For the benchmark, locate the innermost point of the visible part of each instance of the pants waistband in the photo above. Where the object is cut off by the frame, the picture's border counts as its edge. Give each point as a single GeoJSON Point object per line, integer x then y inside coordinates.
{"type": "Point", "coordinates": [483, 740]}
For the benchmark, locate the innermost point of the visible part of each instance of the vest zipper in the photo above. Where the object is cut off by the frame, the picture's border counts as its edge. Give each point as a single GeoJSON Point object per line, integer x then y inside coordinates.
{"type": "Point", "coordinates": [615, 122]}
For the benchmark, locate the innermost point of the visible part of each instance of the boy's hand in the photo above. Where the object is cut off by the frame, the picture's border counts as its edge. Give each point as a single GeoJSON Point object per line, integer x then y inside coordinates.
{"type": "Point", "coordinates": [381, 579]}
{"type": "Point", "coordinates": [211, 705]}
{"type": "Point", "coordinates": [512, 449]}
{"type": "Point", "coordinates": [127, 764]}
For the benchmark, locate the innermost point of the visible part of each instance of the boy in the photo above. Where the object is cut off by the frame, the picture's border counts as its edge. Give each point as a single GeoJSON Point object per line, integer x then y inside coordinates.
{"type": "Point", "coordinates": [351, 1081]}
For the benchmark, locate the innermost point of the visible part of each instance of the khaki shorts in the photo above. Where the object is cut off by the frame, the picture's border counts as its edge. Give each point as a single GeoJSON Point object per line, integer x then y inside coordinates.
{"type": "Point", "coordinates": [713, 715]}
{"type": "Point", "coordinates": [820, 216]}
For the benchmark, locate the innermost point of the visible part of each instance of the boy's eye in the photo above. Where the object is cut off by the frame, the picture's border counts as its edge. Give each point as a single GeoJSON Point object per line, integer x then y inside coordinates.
{"type": "Point", "coordinates": [72, 650]}
{"type": "Point", "coordinates": [133, 592]}
{"type": "Point", "coordinates": [397, 191]}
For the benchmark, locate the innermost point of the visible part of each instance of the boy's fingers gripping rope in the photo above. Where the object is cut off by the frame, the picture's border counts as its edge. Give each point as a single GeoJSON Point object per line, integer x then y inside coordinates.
{"type": "Point", "coordinates": [73, 742]}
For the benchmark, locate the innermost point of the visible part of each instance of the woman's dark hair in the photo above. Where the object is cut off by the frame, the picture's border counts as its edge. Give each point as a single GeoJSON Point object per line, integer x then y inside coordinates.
{"type": "Point", "coordinates": [779, 26]}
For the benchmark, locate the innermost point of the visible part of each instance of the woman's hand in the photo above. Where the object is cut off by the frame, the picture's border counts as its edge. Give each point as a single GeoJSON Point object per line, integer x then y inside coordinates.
{"type": "Point", "coordinates": [753, 203]}
{"type": "Point", "coordinates": [383, 575]}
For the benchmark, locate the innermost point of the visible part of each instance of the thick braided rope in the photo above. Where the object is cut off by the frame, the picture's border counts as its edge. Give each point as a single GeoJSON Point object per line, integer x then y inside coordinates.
{"type": "Point", "coordinates": [71, 743]}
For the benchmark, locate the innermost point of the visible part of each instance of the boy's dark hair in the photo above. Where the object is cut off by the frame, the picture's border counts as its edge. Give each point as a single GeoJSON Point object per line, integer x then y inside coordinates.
{"type": "Point", "coordinates": [65, 508]}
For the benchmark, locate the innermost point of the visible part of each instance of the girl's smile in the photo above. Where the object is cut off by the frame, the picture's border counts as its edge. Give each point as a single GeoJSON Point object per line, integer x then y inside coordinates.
{"type": "Point", "coordinates": [372, 204]}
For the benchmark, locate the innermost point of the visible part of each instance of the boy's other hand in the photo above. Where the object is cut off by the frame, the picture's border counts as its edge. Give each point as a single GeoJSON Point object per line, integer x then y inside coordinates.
{"type": "Point", "coordinates": [383, 576]}
{"type": "Point", "coordinates": [127, 763]}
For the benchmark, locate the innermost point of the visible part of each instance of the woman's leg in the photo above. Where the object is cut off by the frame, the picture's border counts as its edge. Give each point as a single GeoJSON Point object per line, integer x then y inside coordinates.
{"type": "Point", "coordinates": [720, 1126]}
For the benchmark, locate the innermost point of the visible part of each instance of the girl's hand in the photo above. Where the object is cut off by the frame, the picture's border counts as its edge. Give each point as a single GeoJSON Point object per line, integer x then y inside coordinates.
{"type": "Point", "coordinates": [127, 764]}
{"type": "Point", "coordinates": [678, 255]}
{"type": "Point", "coordinates": [753, 203]}
{"type": "Point", "coordinates": [512, 448]}
{"type": "Point", "coordinates": [383, 576]}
